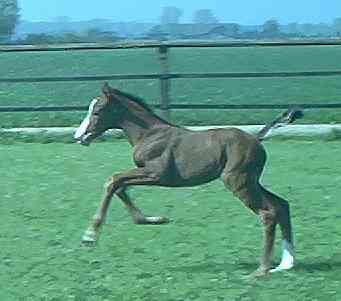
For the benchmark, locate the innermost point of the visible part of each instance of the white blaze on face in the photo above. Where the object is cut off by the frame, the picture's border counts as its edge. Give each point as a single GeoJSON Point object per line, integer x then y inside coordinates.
{"type": "Point", "coordinates": [85, 123]}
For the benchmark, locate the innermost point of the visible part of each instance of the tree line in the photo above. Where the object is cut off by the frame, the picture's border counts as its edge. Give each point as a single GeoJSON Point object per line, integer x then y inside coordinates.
{"type": "Point", "coordinates": [204, 25]}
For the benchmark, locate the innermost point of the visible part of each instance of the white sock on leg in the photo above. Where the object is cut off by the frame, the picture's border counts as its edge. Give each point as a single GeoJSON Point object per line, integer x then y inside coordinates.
{"type": "Point", "coordinates": [287, 261]}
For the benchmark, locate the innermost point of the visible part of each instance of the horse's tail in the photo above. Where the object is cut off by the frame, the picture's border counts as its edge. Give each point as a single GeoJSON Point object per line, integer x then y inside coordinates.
{"type": "Point", "coordinates": [285, 118]}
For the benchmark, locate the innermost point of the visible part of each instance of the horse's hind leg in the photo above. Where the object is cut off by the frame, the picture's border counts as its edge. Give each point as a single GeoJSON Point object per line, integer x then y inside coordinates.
{"type": "Point", "coordinates": [282, 210]}
{"type": "Point", "coordinates": [272, 210]}
{"type": "Point", "coordinates": [136, 213]}
{"type": "Point", "coordinates": [245, 186]}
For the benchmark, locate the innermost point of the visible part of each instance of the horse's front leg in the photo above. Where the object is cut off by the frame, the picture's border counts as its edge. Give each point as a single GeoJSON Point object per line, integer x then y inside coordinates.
{"type": "Point", "coordinates": [117, 184]}
{"type": "Point", "coordinates": [137, 214]}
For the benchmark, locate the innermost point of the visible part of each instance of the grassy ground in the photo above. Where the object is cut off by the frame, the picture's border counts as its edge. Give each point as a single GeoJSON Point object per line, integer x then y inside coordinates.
{"type": "Point", "coordinates": [50, 191]}
{"type": "Point", "coordinates": [232, 91]}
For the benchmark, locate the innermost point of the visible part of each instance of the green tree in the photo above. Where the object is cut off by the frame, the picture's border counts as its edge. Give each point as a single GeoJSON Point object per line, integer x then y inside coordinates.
{"type": "Point", "coordinates": [308, 29]}
{"type": "Point", "coordinates": [204, 16]}
{"type": "Point", "coordinates": [337, 26]}
{"type": "Point", "coordinates": [9, 16]}
{"type": "Point", "coordinates": [170, 15]}
{"type": "Point", "coordinates": [271, 28]}
{"type": "Point", "coordinates": [293, 27]}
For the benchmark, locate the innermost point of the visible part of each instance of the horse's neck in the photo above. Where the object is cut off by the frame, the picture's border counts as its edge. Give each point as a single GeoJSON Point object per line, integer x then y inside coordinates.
{"type": "Point", "coordinates": [138, 123]}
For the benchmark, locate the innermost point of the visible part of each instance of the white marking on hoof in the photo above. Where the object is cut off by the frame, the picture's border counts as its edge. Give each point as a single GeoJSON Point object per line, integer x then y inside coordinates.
{"type": "Point", "coordinates": [89, 236]}
{"type": "Point", "coordinates": [157, 219]}
{"type": "Point", "coordinates": [287, 261]}
{"type": "Point", "coordinates": [151, 220]}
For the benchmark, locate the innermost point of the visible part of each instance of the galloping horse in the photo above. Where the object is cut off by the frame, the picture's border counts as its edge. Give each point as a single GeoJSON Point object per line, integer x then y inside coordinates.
{"type": "Point", "coordinates": [172, 156]}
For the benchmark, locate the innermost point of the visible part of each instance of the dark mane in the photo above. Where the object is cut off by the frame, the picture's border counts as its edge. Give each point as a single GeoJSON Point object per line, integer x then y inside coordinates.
{"type": "Point", "coordinates": [142, 103]}
{"type": "Point", "coordinates": [136, 99]}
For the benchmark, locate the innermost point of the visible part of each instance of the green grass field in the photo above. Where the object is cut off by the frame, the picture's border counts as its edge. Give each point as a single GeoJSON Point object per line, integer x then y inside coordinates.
{"type": "Point", "coordinates": [50, 191]}
{"type": "Point", "coordinates": [138, 61]}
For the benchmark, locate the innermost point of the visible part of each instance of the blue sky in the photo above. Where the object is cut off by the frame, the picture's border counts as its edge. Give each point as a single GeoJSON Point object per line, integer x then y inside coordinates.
{"type": "Point", "coordinates": [241, 11]}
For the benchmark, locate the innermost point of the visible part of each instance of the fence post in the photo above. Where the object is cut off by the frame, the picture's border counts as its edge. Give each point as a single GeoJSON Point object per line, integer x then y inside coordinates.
{"type": "Point", "coordinates": [164, 82]}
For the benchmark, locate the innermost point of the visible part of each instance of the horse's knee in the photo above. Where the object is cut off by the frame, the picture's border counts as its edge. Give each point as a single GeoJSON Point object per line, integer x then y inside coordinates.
{"type": "Point", "coordinates": [108, 184]}
{"type": "Point", "coordinates": [112, 184]}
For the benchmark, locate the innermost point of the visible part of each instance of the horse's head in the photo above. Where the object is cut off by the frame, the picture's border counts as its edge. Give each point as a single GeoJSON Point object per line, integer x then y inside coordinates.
{"type": "Point", "coordinates": [105, 112]}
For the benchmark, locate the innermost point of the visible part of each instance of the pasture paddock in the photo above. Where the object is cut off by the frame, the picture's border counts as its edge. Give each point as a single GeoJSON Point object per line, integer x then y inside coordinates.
{"type": "Point", "coordinates": [204, 254]}
{"type": "Point", "coordinates": [314, 90]}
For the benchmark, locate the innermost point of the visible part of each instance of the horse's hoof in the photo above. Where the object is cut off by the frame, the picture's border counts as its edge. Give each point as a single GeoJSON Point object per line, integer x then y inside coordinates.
{"type": "Point", "coordinates": [152, 220]}
{"type": "Point", "coordinates": [89, 238]}
{"type": "Point", "coordinates": [88, 243]}
{"type": "Point", "coordinates": [260, 272]}
{"type": "Point", "coordinates": [282, 267]}
{"type": "Point", "coordinates": [160, 220]}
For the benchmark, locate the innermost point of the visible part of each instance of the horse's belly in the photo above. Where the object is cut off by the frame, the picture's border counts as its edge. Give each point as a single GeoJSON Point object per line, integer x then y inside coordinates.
{"type": "Point", "coordinates": [194, 172]}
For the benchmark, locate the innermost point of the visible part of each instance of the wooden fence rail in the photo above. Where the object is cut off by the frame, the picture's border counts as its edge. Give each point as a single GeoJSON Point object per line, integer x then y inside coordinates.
{"type": "Point", "coordinates": [168, 44]}
{"type": "Point", "coordinates": [164, 76]}
{"type": "Point", "coordinates": [167, 76]}
{"type": "Point", "coordinates": [12, 109]}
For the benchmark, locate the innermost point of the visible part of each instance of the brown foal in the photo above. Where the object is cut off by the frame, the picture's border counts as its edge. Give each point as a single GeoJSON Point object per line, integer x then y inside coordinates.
{"type": "Point", "coordinates": [172, 156]}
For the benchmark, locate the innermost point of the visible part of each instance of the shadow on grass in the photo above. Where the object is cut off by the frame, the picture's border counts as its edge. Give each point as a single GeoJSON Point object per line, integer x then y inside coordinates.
{"type": "Point", "coordinates": [319, 266]}
{"type": "Point", "coordinates": [214, 267]}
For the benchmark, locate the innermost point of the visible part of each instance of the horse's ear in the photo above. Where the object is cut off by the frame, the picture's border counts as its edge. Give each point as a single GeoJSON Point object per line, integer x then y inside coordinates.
{"type": "Point", "coordinates": [106, 89]}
